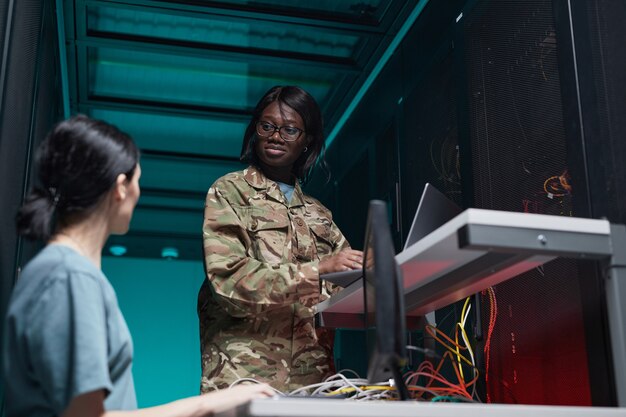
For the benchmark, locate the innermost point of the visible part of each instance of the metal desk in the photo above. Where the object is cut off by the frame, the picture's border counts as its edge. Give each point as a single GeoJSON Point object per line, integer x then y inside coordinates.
{"type": "Point", "coordinates": [303, 407]}
{"type": "Point", "coordinates": [481, 248]}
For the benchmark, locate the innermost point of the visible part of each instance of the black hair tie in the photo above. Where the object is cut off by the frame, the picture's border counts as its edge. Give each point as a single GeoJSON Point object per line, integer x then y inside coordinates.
{"type": "Point", "coordinates": [55, 196]}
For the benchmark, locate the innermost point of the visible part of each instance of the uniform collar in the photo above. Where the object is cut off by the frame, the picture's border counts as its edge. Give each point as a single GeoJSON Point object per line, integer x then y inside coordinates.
{"type": "Point", "coordinates": [255, 177]}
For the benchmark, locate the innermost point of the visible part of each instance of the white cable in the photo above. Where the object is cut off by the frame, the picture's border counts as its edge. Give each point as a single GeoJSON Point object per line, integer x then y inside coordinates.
{"type": "Point", "coordinates": [238, 381]}
{"type": "Point", "coordinates": [338, 382]}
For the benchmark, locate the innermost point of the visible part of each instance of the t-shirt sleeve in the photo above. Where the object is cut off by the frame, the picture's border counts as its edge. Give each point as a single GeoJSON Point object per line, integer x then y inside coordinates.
{"type": "Point", "coordinates": [68, 339]}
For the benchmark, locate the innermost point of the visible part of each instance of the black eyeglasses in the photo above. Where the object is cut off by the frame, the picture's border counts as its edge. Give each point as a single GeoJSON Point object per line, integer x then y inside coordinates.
{"type": "Point", "coordinates": [288, 133]}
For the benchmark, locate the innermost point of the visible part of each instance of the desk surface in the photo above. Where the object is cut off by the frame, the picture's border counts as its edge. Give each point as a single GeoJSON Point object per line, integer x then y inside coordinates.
{"type": "Point", "coordinates": [481, 248]}
{"type": "Point", "coordinates": [303, 407]}
{"type": "Point", "coordinates": [475, 250]}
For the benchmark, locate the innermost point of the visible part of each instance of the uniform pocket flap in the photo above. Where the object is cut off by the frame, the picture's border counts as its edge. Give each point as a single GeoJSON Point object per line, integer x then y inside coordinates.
{"type": "Point", "coordinates": [321, 229]}
{"type": "Point", "coordinates": [257, 219]}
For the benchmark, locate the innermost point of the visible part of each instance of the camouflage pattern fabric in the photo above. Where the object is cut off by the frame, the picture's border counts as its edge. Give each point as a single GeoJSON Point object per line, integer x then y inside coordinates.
{"type": "Point", "coordinates": [257, 308]}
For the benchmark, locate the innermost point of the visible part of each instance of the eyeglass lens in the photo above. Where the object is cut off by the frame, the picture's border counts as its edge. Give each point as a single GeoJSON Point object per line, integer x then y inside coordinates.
{"type": "Point", "coordinates": [288, 133]}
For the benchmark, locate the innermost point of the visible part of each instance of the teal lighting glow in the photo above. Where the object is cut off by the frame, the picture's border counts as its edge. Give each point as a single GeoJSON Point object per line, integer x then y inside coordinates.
{"type": "Point", "coordinates": [376, 71]}
{"type": "Point", "coordinates": [118, 250]}
{"type": "Point", "coordinates": [169, 253]}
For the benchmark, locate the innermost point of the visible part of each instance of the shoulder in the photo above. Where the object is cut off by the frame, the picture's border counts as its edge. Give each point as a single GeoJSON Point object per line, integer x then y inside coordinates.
{"type": "Point", "coordinates": [232, 178]}
{"type": "Point", "coordinates": [56, 274]}
{"type": "Point", "coordinates": [234, 187]}
{"type": "Point", "coordinates": [59, 262]}
{"type": "Point", "coordinates": [231, 182]}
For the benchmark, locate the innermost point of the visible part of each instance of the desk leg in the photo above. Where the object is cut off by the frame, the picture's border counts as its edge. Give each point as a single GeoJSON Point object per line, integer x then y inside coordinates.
{"type": "Point", "coordinates": [616, 308]}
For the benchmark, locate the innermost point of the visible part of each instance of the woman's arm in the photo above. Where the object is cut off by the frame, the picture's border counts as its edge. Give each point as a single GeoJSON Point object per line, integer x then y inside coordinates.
{"type": "Point", "coordinates": [341, 257]}
{"type": "Point", "coordinates": [92, 404]}
{"type": "Point", "coordinates": [244, 285]}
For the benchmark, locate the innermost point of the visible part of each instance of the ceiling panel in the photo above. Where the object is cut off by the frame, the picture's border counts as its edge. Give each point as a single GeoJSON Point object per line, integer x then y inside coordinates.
{"type": "Point", "coordinates": [355, 10]}
{"type": "Point", "coordinates": [221, 32]}
{"type": "Point", "coordinates": [183, 76]}
{"type": "Point", "coordinates": [176, 222]}
{"type": "Point", "coordinates": [178, 175]}
{"type": "Point", "coordinates": [162, 132]}
{"type": "Point", "coordinates": [173, 80]}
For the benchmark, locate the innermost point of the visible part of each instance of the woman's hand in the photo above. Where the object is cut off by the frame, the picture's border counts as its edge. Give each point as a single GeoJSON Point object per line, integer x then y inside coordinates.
{"type": "Point", "coordinates": [343, 261]}
{"type": "Point", "coordinates": [91, 404]}
{"type": "Point", "coordinates": [226, 399]}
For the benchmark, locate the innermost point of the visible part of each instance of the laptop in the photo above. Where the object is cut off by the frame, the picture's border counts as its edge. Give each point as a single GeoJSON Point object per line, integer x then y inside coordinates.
{"type": "Point", "coordinates": [433, 210]}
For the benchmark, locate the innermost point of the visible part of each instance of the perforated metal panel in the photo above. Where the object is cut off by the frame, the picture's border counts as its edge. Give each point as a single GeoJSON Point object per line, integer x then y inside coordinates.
{"type": "Point", "coordinates": [20, 66]}
{"type": "Point", "coordinates": [519, 153]}
{"type": "Point", "coordinates": [605, 20]}
{"type": "Point", "coordinates": [28, 109]}
{"type": "Point", "coordinates": [431, 149]}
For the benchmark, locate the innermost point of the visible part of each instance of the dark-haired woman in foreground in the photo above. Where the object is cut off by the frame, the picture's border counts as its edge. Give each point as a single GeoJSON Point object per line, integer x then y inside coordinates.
{"type": "Point", "coordinates": [265, 245]}
{"type": "Point", "coordinates": [67, 350]}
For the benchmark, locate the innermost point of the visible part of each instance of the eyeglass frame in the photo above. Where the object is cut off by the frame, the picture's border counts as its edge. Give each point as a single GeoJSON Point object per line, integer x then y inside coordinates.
{"type": "Point", "coordinates": [277, 129]}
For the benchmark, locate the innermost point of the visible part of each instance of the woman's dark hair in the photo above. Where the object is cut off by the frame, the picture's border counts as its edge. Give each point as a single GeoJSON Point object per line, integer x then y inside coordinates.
{"type": "Point", "coordinates": [77, 164]}
{"type": "Point", "coordinates": [305, 105]}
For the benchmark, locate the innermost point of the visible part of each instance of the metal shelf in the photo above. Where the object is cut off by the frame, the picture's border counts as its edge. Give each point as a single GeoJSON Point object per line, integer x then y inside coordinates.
{"type": "Point", "coordinates": [481, 248]}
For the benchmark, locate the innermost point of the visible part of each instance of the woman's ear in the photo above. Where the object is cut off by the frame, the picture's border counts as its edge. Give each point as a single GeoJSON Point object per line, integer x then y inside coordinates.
{"type": "Point", "coordinates": [120, 187]}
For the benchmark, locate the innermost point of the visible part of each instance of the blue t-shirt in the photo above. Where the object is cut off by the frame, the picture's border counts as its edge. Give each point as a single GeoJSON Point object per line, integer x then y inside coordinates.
{"type": "Point", "coordinates": [64, 336]}
{"type": "Point", "coordinates": [287, 190]}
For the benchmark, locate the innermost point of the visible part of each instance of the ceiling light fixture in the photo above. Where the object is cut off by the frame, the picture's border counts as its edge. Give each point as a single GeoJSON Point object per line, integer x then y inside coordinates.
{"type": "Point", "coordinates": [169, 253]}
{"type": "Point", "coordinates": [118, 250]}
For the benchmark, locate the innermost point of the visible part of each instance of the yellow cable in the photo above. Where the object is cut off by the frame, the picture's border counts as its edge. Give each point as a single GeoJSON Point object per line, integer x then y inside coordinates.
{"type": "Point", "coordinates": [365, 388]}
{"type": "Point", "coordinates": [456, 335]}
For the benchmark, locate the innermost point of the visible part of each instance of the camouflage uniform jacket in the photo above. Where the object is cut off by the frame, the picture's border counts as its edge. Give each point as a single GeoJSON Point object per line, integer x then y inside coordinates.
{"type": "Point", "coordinates": [261, 257]}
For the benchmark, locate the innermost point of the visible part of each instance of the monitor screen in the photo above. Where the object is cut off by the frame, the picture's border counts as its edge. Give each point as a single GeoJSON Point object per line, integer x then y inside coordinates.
{"type": "Point", "coordinates": [384, 302]}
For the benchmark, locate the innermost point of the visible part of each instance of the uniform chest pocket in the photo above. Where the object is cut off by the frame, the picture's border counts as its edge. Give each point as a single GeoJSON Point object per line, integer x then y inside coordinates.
{"type": "Point", "coordinates": [268, 230]}
{"type": "Point", "coordinates": [321, 229]}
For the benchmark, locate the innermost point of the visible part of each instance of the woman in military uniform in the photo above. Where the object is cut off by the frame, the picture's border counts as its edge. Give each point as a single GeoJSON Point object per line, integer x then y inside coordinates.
{"type": "Point", "coordinates": [265, 245]}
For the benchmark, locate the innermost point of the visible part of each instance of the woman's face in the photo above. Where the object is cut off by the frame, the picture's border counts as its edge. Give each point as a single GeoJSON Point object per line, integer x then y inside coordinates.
{"type": "Point", "coordinates": [275, 154]}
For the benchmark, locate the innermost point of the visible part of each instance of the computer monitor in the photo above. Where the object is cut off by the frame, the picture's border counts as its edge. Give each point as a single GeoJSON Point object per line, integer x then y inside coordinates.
{"type": "Point", "coordinates": [384, 302]}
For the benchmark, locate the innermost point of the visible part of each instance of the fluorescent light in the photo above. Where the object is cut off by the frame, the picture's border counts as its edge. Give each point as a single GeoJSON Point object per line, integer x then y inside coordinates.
{"type": "Point", "coordinates": [118, 250]}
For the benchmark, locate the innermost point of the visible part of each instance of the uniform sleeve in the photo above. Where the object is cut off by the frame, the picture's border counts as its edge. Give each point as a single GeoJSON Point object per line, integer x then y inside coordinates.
{"type": "Point", "coordinates": [339, 243]}
{"type": "Point", "coordinates": [329, 239]}
{"type": "Point", "coordinates": [68, 340]}
{"type": "Point", "coordinates": [245, 286]}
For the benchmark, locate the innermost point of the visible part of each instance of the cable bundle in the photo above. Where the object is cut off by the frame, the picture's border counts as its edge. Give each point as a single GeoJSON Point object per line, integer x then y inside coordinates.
{"type": "Point", "coordinates": [427, 382]}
